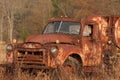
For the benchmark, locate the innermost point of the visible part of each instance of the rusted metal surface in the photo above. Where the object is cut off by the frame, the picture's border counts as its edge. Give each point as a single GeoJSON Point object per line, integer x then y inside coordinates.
{"type": "Point", "coordinates": [51, 38]}
{"type": "Point", "coordinates": [117, 31]}
{"type": "Point", "coordinates": [31, 57]}
{"type": "Point", "coordinates": [63, 19]}
{"type": "Point", "coordinates": [87, 47]}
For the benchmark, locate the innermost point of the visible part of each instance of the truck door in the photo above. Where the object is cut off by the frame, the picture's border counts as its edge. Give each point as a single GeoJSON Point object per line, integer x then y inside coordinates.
{"type": "Point", "coordinates": [91, 45]}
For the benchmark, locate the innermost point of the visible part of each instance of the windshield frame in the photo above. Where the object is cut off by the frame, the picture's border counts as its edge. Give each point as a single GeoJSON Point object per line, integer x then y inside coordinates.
{"type": "Point", "coordinates": [60, 25]}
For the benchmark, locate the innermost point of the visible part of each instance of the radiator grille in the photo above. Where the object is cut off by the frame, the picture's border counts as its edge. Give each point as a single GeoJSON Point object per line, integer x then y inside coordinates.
{"type": "Point", "coordinates": [31, 58]}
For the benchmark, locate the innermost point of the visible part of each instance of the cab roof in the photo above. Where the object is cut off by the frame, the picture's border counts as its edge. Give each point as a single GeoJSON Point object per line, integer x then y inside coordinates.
{"type": "Point", "coordinates": [63, 19]}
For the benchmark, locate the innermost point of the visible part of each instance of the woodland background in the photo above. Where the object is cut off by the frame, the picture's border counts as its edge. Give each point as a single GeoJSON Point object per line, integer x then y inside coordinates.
{"type": "Point", "coordinates": [21, 18]}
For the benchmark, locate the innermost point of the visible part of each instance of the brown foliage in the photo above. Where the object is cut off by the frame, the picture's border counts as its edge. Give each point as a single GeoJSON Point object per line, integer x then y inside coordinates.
{"type": "Point", "coordinates": [98, 7]}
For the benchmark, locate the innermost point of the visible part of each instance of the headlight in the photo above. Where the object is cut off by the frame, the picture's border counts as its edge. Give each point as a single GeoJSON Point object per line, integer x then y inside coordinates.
{"type": "Point", "coordinates": [9, 47]}
{"type": "Point", "coordinates": [54, 51]}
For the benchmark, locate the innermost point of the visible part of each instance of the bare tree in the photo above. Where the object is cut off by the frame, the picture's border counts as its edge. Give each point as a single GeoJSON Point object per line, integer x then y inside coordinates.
{"type": "Point", "coordinates": [1, 26]}
{"type": "Point", "coordinates": [62, 7]}
{"type": "Point", "coordinates": [96, 7]}
{"type": "Point", "coordinates": [9, 9]}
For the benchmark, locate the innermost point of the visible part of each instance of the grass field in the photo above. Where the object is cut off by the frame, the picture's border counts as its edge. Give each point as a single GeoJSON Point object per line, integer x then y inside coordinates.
{"type": "Point", "coordinates": [100, 75]}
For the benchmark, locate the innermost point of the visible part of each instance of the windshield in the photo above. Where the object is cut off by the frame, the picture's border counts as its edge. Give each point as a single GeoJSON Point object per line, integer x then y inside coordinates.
{"type": "Point", "coordinates": [63, 27]}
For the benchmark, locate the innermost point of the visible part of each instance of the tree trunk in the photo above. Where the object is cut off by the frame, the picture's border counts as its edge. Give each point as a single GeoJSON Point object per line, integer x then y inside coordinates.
{"type": "Point", "coordinates": [1, 29]}
{"type": "Point", "coordinates": [10, 20]}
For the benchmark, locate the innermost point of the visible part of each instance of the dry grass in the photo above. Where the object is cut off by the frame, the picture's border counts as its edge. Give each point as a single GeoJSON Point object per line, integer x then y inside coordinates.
{"type": "Point", "coordinates": [2, 52]}
{"type": "Point", "coordinates": [100, 74]}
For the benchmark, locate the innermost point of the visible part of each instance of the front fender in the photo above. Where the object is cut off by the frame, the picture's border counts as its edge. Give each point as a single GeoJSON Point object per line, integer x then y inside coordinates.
{"type": "Point", "coordinates": [67, 50]}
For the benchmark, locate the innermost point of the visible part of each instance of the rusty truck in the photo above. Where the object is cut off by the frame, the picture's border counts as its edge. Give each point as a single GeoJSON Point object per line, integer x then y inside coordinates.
{"type": "Point", "coordinates": [75, 44]}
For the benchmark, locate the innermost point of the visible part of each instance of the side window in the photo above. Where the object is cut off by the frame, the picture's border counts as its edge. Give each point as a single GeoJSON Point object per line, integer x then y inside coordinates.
{"type": "Point", "coordinates": [88, 30]}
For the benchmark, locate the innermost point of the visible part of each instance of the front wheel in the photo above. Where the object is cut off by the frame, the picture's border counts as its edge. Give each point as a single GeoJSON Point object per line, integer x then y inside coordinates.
{"type": "Point", "coordinates": [71, 69]}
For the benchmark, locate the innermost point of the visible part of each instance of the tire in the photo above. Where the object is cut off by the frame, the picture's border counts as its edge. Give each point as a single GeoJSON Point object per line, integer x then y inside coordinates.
{"type": "Point", "coordinates": [70, 70]}
{"type": "Point", "coordinates": [54, 75]}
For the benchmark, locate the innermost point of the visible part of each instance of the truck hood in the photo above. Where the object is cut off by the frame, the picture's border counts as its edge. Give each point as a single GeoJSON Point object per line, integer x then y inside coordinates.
{"type": "Point", "coordinates": [52, 38]}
